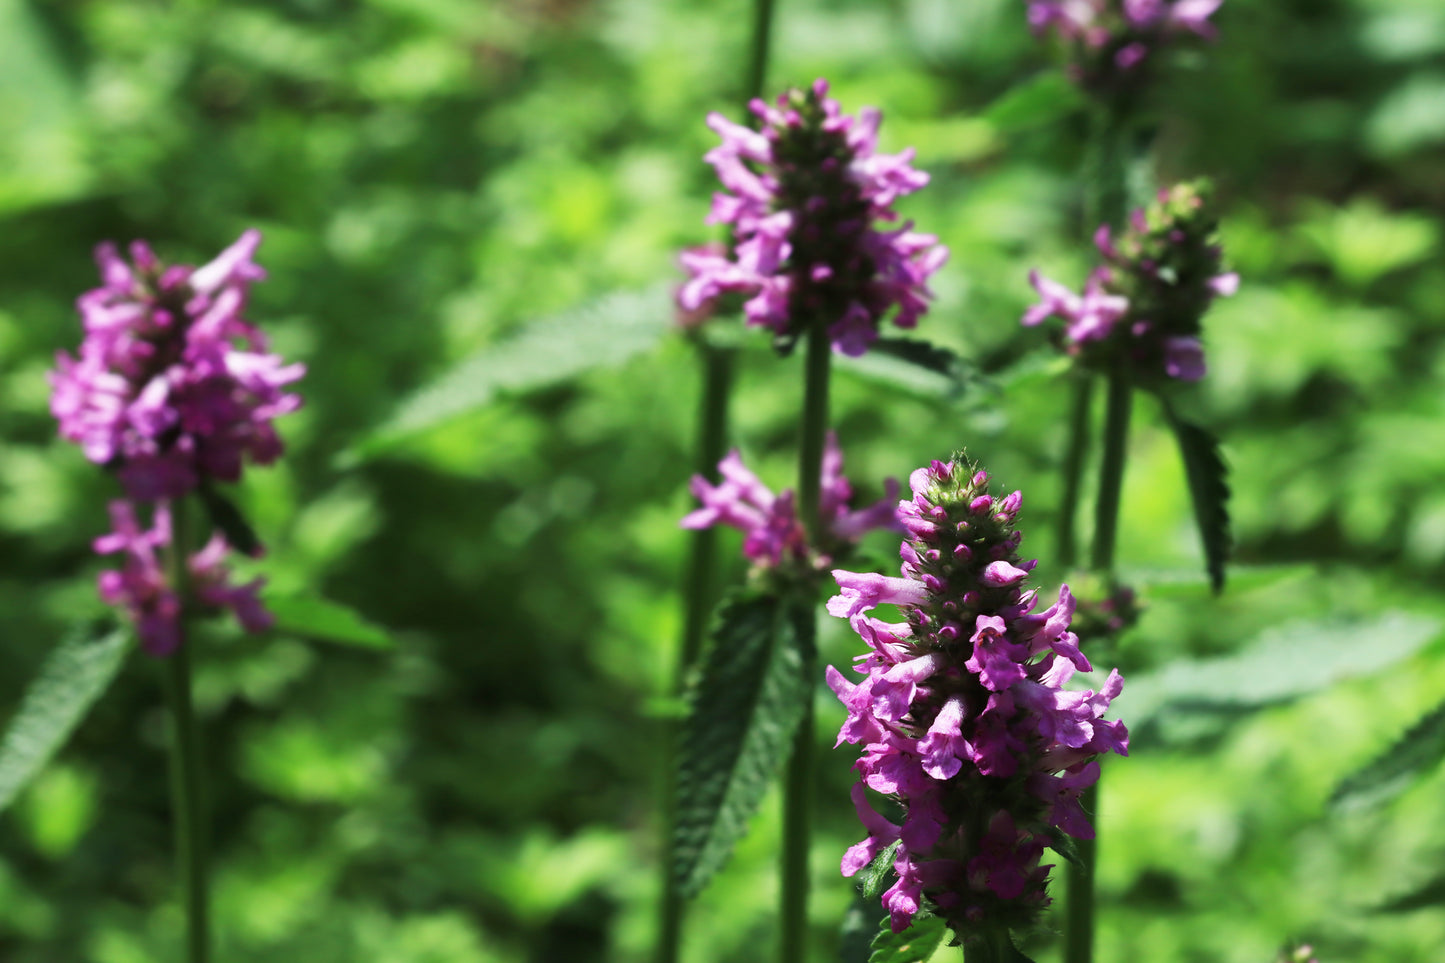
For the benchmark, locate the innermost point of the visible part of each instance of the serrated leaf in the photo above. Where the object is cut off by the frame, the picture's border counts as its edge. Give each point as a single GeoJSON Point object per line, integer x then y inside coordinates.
{"type": "Point", "coordinates": [913, 945]}
{"type": "Point", "coordinates": [870, 883]}
{"type": "Point", "coordinates": [1209, 491]}
{"type": "Point", "coordinates": [745, 701]}
{"type": "Point", "coordinates": [224, 515]}
{"type": "Point", "coordinates": [603, 333]}
{"type": "Point", "coordinates": [72, 678]}
{"type": "Point", "coordinates": [1431, 894]}
{"type": "Point", "coordinates": [1046, 99]}
{"type": "Point", "coordinates": [317, 618]}
{"type": "Point", "coordinates": [1285, 662]}
{"type": "Point", "coordinates": [1397, 768]}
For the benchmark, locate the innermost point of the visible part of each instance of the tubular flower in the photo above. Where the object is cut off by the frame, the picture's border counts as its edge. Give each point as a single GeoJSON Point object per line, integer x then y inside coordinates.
{"type": "Point", "coordinates": [142, 587]}
{"type": "Point", "coordinates": [803, 196]}
{"type": "Point", "coordinates": [774, 534]}
{"type": "Point", "coordinates": [1143, 307]}
{"type": "Point", "coordinates": [962, 714]}
{"type": "Point", "coordinates": [1113, 39]}
{"type": "Point", "coordinates": [172, 386]}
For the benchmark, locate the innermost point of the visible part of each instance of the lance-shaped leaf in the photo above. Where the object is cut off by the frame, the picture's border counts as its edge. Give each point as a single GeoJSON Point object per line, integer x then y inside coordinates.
{"type": "Point", "coordinates": [1397, 768]}
{"type": "Point", "coordinates": [919, 367]}
{"type": "Point", "coordinates": [746, 701]}
{"type": "Point", "coordinates": [1429, 895]}
{"type": "Point", "coordinates": [70, 681]}
{"type": "Point", "coordinates": [1047, 98]}
{"type": "Point", "coordinates": [601, 334]}
{"type": "Point", "coordinates": [871, 881]}
{"type": "Point", "coordinates": [317, 618]}
{"type": "Point", "coordinates": [913, 945]}
{"type": "Point", "coordinates": [1208, 489]}
{"type": "Point", "coordinates": [224, 515]}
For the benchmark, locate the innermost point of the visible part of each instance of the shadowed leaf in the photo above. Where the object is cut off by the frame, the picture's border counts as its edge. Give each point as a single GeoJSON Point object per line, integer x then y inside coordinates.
{"type": "Point", "coordinates": [1209, 491]}
{"type": "Point", "coordinates": [224, 515]}
{"type": "Point", "coordinates": [1431, 894]}
{"type": "Point", "coordinates": [746, 702]}
{"type": "Point", "coordinates": [74, 676]}
{"type": "Point", "coordinates": [870, 884]}
{"type": "Point", "coordinates": [1397, 768]}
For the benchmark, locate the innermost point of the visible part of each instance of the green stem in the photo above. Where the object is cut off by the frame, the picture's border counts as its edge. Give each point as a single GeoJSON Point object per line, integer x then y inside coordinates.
{"type": "Point", "coordinates": [798, 782]}
{"type": "Point", "coordinates": [758, 56]}
{"type": "Point", "coordinates": [187, 800]}
{"type": "Point", "coordinates": [1073, 469]}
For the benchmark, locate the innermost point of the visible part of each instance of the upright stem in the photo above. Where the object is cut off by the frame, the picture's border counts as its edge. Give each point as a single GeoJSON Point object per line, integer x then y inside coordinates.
{"type": "Point", "coordinates": [187, 800]}
{"type": "Point", "coordinates": [1073, 468]}
{"type": "Point", "coordinates": [1079, 939]}
{"type": "Point", "coordinates": [798, 782]}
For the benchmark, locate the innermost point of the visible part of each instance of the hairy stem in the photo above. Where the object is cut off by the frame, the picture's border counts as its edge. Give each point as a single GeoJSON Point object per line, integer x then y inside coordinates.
{"type": "Point", "coordinates": [187, 799]}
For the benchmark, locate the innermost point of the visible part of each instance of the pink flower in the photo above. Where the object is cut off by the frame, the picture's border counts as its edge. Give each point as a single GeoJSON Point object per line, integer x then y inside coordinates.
{"type": "Point", "coordinates": [802, 196]}
{"type": "Point", "coordinates": [774, 533]}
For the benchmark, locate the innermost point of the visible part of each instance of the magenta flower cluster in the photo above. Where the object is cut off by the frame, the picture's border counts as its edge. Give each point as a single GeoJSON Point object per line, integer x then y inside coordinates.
{"type": "Point", "coordinates": [1115, 36]}
{"type": "Point", "coordinates": [774, 535]}
{"type": "Point", "coordinates": [1144, 306]}
{"type": "Point", "coordinates": [803, 196]}
{"type": "Point", "coordinates": [962, 713]}
{"type": "Point", "coordinates": [172, 389]}
{"type": "Point", "coordinates": [172, 385]}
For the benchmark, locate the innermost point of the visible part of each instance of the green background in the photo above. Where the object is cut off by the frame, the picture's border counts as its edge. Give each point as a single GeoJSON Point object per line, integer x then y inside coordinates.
{"type": "Point", "coordinates": [430, 176]}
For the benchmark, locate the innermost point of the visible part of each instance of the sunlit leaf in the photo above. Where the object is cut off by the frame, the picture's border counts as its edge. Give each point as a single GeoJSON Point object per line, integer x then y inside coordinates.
{"type": "Point", "coordinates": [746, 702]}
{"type": "Point", "coordinates": [72, 678]}
{"type": "Point", "coordinates": [1395, 770]}
{"type": "Point", "coordinates": [913, 945]}
{"type": "Point", "coordinates": [601, 334]}
{"type": "Point", "coordinates": [317, 618]}
{"type": "Point", "coordinates": [1047, 98]}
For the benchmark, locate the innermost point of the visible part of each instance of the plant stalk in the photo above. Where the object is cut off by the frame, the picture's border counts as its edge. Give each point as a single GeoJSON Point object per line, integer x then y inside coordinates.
{"type": "Point", "coordinates": [1073, 469]}
{"type": "Point", "coordinates": [798, 782]}
{"type": "Point", "coordinates": [187, 796]}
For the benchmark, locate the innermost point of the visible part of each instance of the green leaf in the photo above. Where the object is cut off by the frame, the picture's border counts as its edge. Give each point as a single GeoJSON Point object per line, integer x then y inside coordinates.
{"type": "Point", "coordinates": [1397, 768]}
{"type": "Point", "coordinates": [1429, 895]}
{"type": "Point", "coordinates": [1208, 489]}
{"type": "Point", "coordinates": [870, 884]}
{"type": "Point", "coordinates": [601, 334]}
{"type": "Point", "coordinates": [1046, 99]}
{"type": "Point", "coordinates": [1188, 584]}
{"type": "Point", "coordinates": [920, 367]}
{"type": "Point", "coordinates": [1063, 844]}
{"type": "Point", "coordinates": [227, 517]}
{"type": "Point", "coordinates": [913, 945]}
{"type": "Point", "coordinates": [318, 618]}
{"type": "Point", "coordinates": [746, 701]}
{"type": "Point", "coordinates": [1285, 662]}
{"type": "Point", "coordinates": [69, 683]}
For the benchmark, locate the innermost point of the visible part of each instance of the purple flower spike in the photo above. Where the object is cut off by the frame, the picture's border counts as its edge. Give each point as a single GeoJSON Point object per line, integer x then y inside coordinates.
{"type": "Point", "coordinates": [962, 715]}
{"type": "Point", "coordinates": [172, 385]}
{"type": "Point", "coordinates": [1110, 39]}
{"type": "Point", "coordinates": [803, 196]}
{"type": "Point", "coordinates": [774, 533]}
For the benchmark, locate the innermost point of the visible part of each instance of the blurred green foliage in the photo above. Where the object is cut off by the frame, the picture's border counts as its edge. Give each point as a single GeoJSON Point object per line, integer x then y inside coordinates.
{"type": "Point", "coordinates": [432, 174]}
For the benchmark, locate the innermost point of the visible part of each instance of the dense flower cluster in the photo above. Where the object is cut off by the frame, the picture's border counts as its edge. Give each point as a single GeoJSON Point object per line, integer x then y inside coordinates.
{"type": "Point", "coordinates": [1143, 307]}
{"type": "Point", "coordinates": [172, 385]}
{"type": "Point", "coordinates": [962, 712]}
{"type": "Point", "coordinates": [1112, 38]}
{"type": "Point", "coordinates": [172, 389]}
{"type": "Point", "coordinates": [803, 195]}
{"type": "Point", "coordinates": [774, 534]}
{"type": "Point", "coordinates": [142, 587]}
